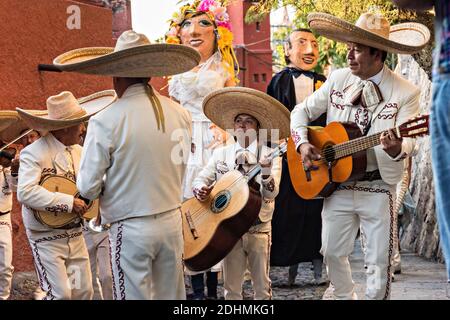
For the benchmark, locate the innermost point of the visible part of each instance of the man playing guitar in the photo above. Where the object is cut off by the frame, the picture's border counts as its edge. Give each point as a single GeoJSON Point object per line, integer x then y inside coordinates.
{"type": "Point", "coordinates": [60, 255]}
{"type": "Point", "coordinates": [253, 249]}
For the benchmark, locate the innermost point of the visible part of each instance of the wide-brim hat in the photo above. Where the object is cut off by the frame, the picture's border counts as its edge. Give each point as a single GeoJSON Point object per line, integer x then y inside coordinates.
{"type": "Point", "coordinates": [133, 57]}
{"type": "Point", "coordinates": [372, 30]}
{"type": "Point", "coordinates": [224, 105]}
{"type": "Point", "coordinates": [90, 105]}
{"type": "Point", "coordinates": [15, 129]}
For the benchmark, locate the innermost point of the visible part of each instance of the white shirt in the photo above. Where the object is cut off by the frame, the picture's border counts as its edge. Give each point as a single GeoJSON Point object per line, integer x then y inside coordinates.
{"type": "Point", "coordinates": [304, 87]}
{"type": "Point", "coordinates": [362, 117]}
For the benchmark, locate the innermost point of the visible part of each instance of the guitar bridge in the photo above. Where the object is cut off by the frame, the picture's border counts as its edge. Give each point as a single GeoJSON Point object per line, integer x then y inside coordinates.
{"type": "Point", "coordinates": [191, 224]}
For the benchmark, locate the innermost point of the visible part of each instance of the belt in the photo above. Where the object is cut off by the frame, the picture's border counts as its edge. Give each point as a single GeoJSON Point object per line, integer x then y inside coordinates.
{"type": "Point", "coordinates": [3, 213]}
{"type": "Point", "coordinates": [257, 221]}
{"type": "Point", "coordinates": [71, 225]}
{"type": "Point", "coordinates": [371, 176]}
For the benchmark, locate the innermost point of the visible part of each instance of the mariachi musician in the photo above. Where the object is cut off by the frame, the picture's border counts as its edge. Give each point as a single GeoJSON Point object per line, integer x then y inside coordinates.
{"type": "Point", "coordinates": [60, 252]}
{"type": "Point", "coordinates": [246, 115]}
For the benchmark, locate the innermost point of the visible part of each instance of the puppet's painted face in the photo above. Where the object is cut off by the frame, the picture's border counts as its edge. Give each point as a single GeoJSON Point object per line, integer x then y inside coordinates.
{"type": "Point", "coordinates": [198, 32]}
{"type": "Point", "coordinates": [303, 51]}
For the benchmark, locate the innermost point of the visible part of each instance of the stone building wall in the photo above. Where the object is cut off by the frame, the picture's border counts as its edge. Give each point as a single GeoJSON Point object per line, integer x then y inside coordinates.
{"type": "Point", "coordinates": [421, 234]}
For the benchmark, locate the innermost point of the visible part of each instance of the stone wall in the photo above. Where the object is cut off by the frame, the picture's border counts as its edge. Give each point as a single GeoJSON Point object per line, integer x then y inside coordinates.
{"type": "Point", "coordinates": [421, 234]}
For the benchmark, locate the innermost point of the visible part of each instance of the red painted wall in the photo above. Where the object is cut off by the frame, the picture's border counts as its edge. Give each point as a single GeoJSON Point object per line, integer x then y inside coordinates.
{"type": "Point", "coordinates": [252, 45]}
{"type": "Point", "coordinates": [35, 32]}
{"type": "Point", "coordinates": [121, 18]}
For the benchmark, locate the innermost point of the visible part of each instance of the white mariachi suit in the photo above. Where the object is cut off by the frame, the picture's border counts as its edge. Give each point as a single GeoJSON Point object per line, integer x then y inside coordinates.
{"type": "Point", "coordinates": [253, 249]}
{"type": "Point", "coordinates": [8, 185]}
{"type": "Point", "coordinates": [60, 255]}
{"type": "Point", "coordinates": [369, 203]}
{"type": "Point", "coordinates": [137, 171]}
{"type": "Point", "coordinates": [97, 244]}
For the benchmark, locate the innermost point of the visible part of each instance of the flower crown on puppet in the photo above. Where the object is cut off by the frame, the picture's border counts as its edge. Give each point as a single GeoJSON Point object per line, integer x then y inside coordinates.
{"type": "Point", "coordinates": [217, 13]}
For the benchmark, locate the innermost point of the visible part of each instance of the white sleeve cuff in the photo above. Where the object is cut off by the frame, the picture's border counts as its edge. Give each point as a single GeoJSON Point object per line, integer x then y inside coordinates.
{"type": "Point", "coordinates": [402, 155]}
{"type": "Point", "coordinates": [299, 136]}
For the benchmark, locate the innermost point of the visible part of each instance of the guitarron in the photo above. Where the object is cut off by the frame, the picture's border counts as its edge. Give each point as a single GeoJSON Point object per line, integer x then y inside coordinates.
{"type": "Point", "coordinates": [57, 183]}
{"type": "Point", "coordinates": [343, 157]}
{"type": "Point", "coordinates": [212, 227]}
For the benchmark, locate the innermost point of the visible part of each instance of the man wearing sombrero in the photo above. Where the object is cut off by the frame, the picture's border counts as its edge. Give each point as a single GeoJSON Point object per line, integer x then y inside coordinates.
{"type": "Point", "coordinates": [376, 99]}
{"type": "Point", "coordinates": [8, 186]}
{"type": "Point", "coordinates": [246, 112]}
{"type": "Point", "coordinates": [60, 254]}
{"type": "Point", "coordinates": [134, 159]}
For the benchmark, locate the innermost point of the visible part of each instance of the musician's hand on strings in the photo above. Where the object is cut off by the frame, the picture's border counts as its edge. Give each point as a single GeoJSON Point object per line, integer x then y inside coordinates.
{"type": "Point", "coordinates": [390, 143]}
{"type": "Point", "coordinates": [203, 193]}
{"type": "Point", "coordinates": [79, 207]}
{"type": "Point", "coordinates": [309, 153]}
{"type": "Point", "coordinates": [266, 166]}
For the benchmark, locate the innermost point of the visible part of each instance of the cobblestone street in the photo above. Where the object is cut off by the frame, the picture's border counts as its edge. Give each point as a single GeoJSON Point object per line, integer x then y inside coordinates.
{"type": "Point", "coordinates": [421, 279]}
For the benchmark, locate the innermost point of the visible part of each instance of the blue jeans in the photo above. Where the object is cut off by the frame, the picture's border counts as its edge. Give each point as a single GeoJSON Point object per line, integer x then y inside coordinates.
{"type": "Point", "coordinates": [440, 155]}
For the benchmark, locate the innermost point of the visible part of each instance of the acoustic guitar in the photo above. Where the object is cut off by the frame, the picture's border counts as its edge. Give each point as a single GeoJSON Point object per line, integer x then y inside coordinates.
{"type": "Point", "coordinates": [212, 227]}
{"type": "Point", "coordinates": [52, 219]}
{"type": "Point", "coordinates": [343, 156]}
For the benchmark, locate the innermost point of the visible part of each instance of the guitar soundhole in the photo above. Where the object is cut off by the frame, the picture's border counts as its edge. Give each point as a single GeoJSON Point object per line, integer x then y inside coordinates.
{"type": "Point", "coordinates": [329, 153]}
{"type": "Point", "coordinates": [220, 201]}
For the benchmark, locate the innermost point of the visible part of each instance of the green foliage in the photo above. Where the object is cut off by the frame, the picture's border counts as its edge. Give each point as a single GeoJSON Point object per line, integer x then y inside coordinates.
{"type": "Point", "coordinates": [349, 10]}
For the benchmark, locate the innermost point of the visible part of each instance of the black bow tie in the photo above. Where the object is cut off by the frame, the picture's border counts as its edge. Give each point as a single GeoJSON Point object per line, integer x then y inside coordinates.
{"type": "Point", "coordinates": [297, 72]}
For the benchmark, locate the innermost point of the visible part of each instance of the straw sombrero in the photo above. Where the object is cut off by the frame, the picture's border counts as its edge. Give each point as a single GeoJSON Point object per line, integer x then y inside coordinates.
{"type": "Point", "coordinates": [13, 131]}
{"type": "Point", "coordinates": [372, 30]}
{"type": "Point", "coordinates": [133, 57]}
{"type": "Point", "coordinates": [224, 105]}
{"type": "Point", "coordinates": [64, 111]}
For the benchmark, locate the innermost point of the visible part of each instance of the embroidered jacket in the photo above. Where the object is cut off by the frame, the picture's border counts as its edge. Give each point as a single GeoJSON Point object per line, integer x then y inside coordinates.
{"type": "Point", "coordinates": [135, 168]}
{"type": "Point", "coordinates": [41, 158]}
{"type": "Point", "coordinates": [224, 160]}
{"type": "Point", "coordinates": [400, 103]}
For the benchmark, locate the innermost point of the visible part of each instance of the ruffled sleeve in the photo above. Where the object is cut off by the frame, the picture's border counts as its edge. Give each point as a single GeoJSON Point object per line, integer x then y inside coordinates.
{"type": "Point", "coordinates": [174, 85]}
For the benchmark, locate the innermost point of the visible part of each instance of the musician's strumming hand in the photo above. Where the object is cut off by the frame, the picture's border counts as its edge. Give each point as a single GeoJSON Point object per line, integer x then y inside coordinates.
{"type": "Point", "coordinates": [309, 153]}
{"type": "Point", "coordinates": [390, 143]}
{"type": "Point", "coordinates": [15, 163]}
{"type": "Point", "coordinates": [203, 193]}
{"type": "Point", "coordinates": [79, 207]}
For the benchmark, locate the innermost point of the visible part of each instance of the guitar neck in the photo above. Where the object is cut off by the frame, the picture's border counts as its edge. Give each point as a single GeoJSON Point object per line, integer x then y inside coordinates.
{"type": "Point", "coordinates": [359, 144]}
{"type": "Point", "coordinates": [278, 151]}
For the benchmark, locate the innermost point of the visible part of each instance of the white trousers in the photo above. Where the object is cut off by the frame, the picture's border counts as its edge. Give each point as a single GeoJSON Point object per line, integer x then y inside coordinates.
{"type": "Point", "coordinates": [369, 204]}
{"type": "Point", "coordinates": [252, 251]}
{"type": "Point", "coordinates": [6, 268]}
{"type": "Point", "coordinates": [62, 263]}
{"type": "Point", "coordinates": [98, 248]}
{"type": "Point", "coordinates": [146, 256]}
